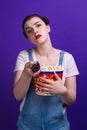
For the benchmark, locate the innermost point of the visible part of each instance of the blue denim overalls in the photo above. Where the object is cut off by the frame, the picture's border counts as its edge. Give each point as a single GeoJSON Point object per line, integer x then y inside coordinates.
{"type": "Point", "coordinates": [42, 112]}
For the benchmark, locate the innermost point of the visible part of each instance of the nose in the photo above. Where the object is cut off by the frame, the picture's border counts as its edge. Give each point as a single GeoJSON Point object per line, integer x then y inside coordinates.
{"type": "Point", "coordinates": [35, 30]}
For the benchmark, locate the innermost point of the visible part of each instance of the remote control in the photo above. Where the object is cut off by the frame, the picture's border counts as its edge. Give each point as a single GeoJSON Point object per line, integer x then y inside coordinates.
{"type": "Point", "coordinates": [35, 67]}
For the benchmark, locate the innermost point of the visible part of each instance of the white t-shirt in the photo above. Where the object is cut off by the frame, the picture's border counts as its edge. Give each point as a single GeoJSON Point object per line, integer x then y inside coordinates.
{"type": "Point", "coordinates": [69, 65]}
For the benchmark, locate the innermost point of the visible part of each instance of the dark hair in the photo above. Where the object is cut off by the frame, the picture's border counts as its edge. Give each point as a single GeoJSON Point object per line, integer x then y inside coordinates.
{"type": "Point", "coordinates": [43, 18]}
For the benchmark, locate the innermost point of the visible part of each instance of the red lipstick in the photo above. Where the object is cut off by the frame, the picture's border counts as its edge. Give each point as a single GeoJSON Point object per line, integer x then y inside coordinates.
{"type": "Point", "coordinates": [38, 36]}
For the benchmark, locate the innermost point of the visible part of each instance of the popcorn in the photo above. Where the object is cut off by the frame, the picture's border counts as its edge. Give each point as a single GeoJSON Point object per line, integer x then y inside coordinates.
{"type": "Point", "coordinates": [50, 68]}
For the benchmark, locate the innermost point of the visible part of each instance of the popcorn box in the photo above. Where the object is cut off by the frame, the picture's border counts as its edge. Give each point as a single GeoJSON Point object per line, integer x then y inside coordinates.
{"type": "Point", "coordinates": [48, 75]}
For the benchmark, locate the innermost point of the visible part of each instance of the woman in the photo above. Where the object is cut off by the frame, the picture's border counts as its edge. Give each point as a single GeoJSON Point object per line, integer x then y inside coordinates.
{"type": "Point", "coordinates": [43, 112]}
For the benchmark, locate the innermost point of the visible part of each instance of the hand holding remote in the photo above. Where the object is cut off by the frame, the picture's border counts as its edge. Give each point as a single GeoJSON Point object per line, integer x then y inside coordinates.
{"type": "Point", "coordinates": [35, 67]}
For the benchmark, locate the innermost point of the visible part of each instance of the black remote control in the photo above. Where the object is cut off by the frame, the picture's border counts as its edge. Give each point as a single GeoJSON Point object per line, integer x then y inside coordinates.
{"type": "Point", "coordinates": [35, 67]}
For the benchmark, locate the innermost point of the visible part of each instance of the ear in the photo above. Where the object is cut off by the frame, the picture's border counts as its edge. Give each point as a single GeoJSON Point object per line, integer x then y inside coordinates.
{"type": "Point", "coordinates": [48, 28]}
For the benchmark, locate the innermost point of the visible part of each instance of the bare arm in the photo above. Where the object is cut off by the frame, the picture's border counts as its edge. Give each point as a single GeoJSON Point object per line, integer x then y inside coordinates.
{"type": "Point", "coordinates": [21, 84]}
{"type": "Point", "coordinates": [69, 96]}
{"type": "Point", "coordinates": [22, 81]}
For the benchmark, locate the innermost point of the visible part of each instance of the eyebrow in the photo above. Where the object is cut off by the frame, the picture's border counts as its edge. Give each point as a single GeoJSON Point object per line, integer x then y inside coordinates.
{"type": "Point", "coordinates": [36, 22]}
{"type": "Point", "coordinates": [33, 24]}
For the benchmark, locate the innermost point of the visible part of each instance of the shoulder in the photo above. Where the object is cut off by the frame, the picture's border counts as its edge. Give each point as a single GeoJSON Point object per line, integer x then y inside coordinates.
{"type": "Point", "coordinates": [23, 56]}
{"type": "Point", "coordinates": [21, 60]}
{"type": "Point", "coordinates": [67, 55]}
{"type": "Point", "coordinates": [23, 53]}
{"type": "Point", "coordinates": [70, 65]}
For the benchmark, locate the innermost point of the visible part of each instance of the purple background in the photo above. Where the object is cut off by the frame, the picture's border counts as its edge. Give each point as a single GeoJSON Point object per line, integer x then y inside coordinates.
{"type": "Point", "coordinates": [68, 21]}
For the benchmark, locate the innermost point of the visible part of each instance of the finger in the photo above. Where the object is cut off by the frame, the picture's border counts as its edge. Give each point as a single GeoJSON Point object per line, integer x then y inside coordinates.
{"type": "Point", "coordinates": [28, 64]}
{"type": "Point", "coordinates": [56, 76]}
{"type": "Point", "coordinates": [45, 90]}
{"type": "Point", "coordinates": [47, 81]}
{"type": "Point", "coordinates": [44, 85]}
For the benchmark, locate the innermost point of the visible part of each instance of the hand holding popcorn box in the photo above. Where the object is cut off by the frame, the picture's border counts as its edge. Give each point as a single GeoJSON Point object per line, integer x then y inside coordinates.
{"type": "Point", "coordinates": [48, 73]}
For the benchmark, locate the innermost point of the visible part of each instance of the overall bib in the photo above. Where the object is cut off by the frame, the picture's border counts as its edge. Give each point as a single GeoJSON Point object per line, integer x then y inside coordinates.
{"type": "Point", "coordinates": [42, 112]}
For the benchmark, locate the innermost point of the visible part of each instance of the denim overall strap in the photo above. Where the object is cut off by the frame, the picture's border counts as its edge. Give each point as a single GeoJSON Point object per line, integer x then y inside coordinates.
{"type": "Point", "coordinates": [61, 58]}
{"type": "Point", "coordinates": [30, 55]}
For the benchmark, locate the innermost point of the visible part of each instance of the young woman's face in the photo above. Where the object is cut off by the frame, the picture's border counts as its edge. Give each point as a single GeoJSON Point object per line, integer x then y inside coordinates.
{"type": "Point", "coordinates": [36, 30]}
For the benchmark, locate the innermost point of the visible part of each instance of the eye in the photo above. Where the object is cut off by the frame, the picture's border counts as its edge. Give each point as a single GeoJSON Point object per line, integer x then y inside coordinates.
{"type": "Point", "coordinates": [29, 31]}
{"type": "Point", "coordinates": [38, 25]}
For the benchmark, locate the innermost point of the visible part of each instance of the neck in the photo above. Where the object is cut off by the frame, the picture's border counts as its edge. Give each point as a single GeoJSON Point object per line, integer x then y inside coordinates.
{"type": "Point", "coordinates": [44, 50]}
